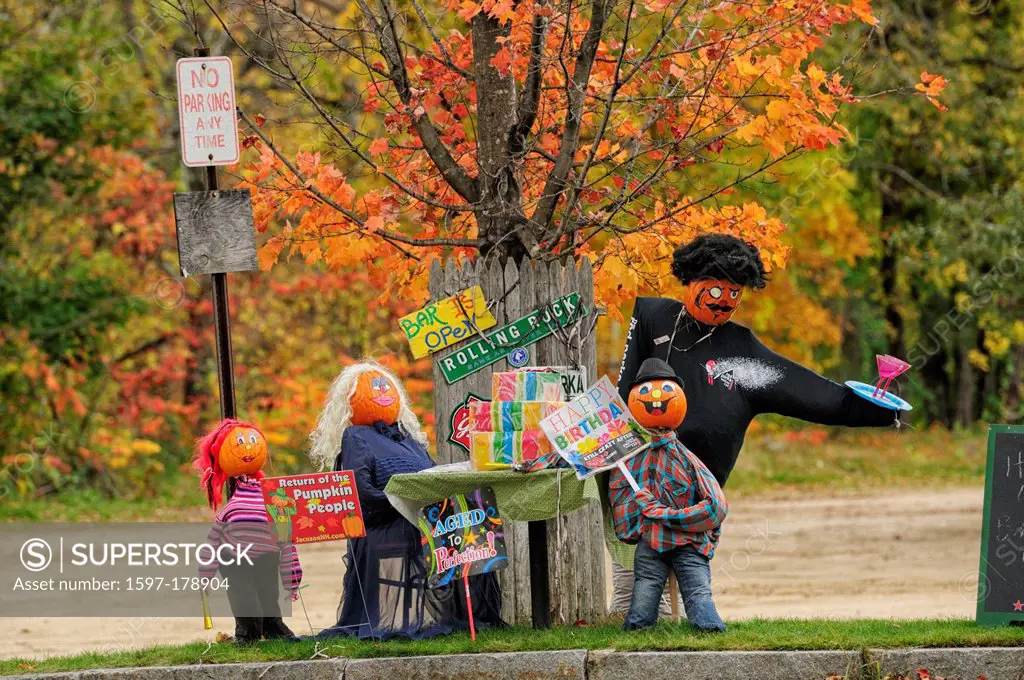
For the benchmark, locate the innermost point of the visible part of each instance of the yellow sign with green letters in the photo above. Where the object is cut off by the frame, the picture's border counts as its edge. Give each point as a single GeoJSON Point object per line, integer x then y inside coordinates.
{"type": "Point", "coordinates": [445, 322]}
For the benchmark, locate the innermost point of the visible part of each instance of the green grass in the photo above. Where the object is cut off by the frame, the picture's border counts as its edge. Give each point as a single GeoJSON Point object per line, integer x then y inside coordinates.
{"type": "Point", "coordinates": [746, 635]}
{"type": "Point", "coordinates": [178, 498]}
{"type": "Point", "coordinates": [809, 459]}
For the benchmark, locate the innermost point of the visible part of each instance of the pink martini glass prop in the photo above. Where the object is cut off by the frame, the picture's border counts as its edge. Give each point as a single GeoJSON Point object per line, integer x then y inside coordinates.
{"type": "Point", "coordinates": [889, 367]}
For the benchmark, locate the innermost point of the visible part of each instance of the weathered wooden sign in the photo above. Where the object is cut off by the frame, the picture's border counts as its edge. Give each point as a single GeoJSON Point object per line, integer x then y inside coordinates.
{"type": "Point", "coordinates": [216, 232]}
{"type": "Point", "coordinates": [446, 322]}
{"type": "Point", "coordinates": [206, 111]}
{"type": "Point", "coordinates": [497, 344]}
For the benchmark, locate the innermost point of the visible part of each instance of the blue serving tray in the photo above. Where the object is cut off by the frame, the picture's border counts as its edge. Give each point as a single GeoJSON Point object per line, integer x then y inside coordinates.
{"type": "Point", "coordinates": [885, 399]}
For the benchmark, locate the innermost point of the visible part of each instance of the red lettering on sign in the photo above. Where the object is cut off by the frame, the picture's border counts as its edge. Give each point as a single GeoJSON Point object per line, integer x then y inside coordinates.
{"type": "Point", "coordinates": [205, 77]}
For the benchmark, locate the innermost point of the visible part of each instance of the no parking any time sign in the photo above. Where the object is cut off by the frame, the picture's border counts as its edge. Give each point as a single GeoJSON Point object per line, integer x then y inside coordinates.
{"type": "Point", "coordinates": [206, 111]}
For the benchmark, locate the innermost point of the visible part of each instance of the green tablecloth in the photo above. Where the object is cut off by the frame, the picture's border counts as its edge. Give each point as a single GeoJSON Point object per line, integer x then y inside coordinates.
{"type": "Point", "coordinates": [523, 497]}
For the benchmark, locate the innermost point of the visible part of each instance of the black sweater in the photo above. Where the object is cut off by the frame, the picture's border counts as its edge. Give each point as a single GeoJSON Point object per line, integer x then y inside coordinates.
{"type": "Point", "coordinates": [730, 377]}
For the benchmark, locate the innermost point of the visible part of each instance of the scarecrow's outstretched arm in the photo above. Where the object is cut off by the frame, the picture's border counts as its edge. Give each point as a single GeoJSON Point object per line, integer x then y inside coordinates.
{"type": "Point", "coordinates": [789, 389]}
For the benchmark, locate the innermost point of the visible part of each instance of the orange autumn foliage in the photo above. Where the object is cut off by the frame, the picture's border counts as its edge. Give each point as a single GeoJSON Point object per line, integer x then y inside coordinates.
{"type": "Point", "coordinates": [631, 132]}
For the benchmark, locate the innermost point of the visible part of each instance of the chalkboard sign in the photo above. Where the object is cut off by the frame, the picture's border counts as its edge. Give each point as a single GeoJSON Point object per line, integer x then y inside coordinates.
{"type": "Point", "coordinates": [1001, 574]}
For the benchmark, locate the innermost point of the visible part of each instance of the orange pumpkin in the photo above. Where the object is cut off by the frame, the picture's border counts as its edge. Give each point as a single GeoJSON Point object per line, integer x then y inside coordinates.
{"type": "Point", "coordinates": [712, 301]}
{"type": "Point", "coordinates": [243, 452]}
{"type": "Point", "coordinates": [658, 404]}
{"type": "Point", "coordinates": [352, 526]}
{"type": "Point", "coordinates": [375, 399]}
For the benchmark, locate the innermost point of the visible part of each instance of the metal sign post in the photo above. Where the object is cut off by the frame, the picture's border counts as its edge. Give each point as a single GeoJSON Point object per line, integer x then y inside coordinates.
{"type": "Point", "coordinates": [209, 134]}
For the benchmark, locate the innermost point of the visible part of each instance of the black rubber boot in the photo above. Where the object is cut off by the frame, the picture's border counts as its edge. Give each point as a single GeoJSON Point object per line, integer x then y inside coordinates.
{"type": "Point", "coordinates": [274, 628]}
{"type": "Point", "coordinates": [248, 630]}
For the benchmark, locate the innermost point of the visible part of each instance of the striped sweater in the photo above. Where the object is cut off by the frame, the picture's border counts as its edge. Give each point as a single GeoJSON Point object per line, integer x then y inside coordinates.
{"type": "Point", "coordinates": [243, 520]}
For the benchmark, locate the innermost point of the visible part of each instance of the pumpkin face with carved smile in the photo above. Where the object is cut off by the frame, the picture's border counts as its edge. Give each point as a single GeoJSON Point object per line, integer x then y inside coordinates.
{"type": "Point", "coordinates": [375, 399]}
{"type": "Point", "coordinates": [658, 404]}
{"type": "Point", "coordinates": [243, 453]}
{"type": "Point", "coordinates": [712, 301]}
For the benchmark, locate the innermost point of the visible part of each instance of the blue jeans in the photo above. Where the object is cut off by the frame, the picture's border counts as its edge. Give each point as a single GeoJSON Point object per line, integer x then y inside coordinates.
{"type": "Point", "coordinates": [692, 570]}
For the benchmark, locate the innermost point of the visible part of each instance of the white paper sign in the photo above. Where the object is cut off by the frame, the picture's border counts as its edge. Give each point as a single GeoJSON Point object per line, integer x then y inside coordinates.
{"type": "Point", "coordinates": [206, 111]}
{"type": "Point", "coordinates": [595, 431]}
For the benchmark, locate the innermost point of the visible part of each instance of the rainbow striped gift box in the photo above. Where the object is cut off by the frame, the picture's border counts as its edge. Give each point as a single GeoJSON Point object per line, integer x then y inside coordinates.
{"type": "Point", "coordinates": [498, 450]}
{"type": "Point", "coordinates": [510, 416]}
{"type": "Point", "coordinates": [527, 386]}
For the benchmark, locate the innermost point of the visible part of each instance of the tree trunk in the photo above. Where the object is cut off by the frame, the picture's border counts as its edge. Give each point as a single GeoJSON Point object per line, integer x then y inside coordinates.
{"type": "Point", "coordinates": [965, 382]}
{"type": "Point", "coordinates": [1013, 396]}
{"type": "Point", "coordinates": [890, 294]}
{"type": "Point", "coordinates": [500, 220]}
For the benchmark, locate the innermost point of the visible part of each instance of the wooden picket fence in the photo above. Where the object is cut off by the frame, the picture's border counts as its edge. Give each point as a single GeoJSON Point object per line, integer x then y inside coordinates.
{"type": "Point", "coordinates": [576, 565]}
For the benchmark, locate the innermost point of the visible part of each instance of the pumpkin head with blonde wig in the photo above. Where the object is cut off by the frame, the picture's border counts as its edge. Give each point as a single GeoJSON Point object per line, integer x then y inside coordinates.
{"type": "Point", "coordinates": [364, 394]}
{"type": "Point", "coordinates": [375, 400]}
{"type": "Point", "coordinates": [656, 399]}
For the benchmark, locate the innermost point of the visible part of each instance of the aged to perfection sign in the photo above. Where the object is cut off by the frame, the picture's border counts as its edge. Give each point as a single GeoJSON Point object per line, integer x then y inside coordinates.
{"type": "Point", "coordinates": [462, 536]}
{"type": "Point", "coordinates": [206, 111]}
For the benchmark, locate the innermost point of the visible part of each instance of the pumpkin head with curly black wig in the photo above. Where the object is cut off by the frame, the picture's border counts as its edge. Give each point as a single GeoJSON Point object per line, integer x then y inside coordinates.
{"type": "Point", "coordinates": [716, 269]}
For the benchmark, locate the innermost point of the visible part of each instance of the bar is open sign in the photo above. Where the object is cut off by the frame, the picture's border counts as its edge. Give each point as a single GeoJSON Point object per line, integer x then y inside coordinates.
{"type": "Point", "coordinates": [206, 111]}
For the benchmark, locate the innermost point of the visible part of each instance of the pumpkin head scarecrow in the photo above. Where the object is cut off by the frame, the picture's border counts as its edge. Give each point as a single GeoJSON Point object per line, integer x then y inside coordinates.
{"type": "Point", "coordinates": [234, 454]}
{"type": "Point", "coordinates": [368, 427]}
{"type": "Point", "coordinates": [715, 271]}
{"type": "Point", "coordinates": [667, 502]}
{"type": "Point", "coordinates": [657, 400]}
{"type": "Point", "coordinates": [365, 394]}
{"type": "Point", "coordinates": [232, 449]}
{"type": "Point", "coordinates": [730, 375]}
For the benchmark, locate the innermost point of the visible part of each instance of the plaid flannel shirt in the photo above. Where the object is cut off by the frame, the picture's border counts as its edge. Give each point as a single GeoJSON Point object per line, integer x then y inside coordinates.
{"type": "Point", "coordinates": [679, 503]}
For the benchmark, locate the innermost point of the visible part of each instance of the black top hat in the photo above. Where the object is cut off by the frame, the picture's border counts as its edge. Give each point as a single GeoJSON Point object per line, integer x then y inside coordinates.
{"type": "Point", "coordinates": [653, 369]}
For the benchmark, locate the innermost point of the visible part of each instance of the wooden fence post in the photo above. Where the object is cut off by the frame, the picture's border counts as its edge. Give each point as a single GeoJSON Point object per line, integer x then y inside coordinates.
{"type": "Point", "coordinates": [576, 567]}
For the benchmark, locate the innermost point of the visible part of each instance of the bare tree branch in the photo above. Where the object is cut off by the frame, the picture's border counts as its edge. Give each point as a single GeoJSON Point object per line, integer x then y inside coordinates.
{"type": "Point", "coordinates": [577, 88]}
{"type": "Point", "coordinates": [387, 36]}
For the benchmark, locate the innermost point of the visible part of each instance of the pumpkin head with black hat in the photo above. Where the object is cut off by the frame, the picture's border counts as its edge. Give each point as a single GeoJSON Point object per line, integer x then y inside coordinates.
{"type": "Point", "coordinates": [656, 397]}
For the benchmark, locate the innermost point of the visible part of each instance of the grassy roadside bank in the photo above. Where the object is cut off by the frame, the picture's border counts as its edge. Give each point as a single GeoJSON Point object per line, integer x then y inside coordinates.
{"type": "Point", "coordinates": [784, 634]}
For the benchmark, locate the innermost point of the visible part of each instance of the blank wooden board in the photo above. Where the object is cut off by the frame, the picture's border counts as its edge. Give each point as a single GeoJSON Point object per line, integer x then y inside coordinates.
{"type": "Point", "coordinates": [216, 232]}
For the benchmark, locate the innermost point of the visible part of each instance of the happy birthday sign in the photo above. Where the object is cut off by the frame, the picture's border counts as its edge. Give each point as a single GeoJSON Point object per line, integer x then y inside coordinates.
{"type": "Point", "coordinates": [462, 536]}
{"type": "Point", "coordinates": [595, 431]}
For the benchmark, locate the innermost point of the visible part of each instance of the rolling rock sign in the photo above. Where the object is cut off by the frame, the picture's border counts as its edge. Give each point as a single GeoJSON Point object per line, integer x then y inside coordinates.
{"type": "Point", "coordinates": [498, 344]}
